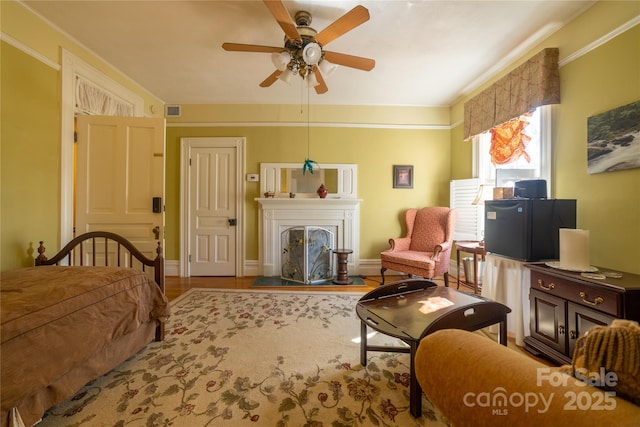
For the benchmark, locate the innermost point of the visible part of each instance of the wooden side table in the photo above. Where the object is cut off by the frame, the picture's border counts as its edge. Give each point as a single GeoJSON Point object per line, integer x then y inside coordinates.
{"type": "Point", "coordinates": [476, 248]}
{"type": "Point", "coordinates": [342, 256]}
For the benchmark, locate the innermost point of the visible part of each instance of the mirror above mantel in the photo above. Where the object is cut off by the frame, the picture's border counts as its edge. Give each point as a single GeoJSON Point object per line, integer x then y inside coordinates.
{"type": "Point", "coordinates": [284, 179]}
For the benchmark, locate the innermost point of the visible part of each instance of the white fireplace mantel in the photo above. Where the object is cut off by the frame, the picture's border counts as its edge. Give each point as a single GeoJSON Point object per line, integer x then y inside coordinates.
{"type": "Point", "coordinates": [340, 215]}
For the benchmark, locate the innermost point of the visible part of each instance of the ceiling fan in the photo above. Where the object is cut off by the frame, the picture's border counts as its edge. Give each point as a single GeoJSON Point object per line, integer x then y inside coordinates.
{"type": "Point", "coordinates": [303, 53]}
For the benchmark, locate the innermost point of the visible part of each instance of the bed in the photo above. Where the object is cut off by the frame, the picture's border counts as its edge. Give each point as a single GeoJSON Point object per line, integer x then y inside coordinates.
{"type": "Point", "coordinates": [65, 325]}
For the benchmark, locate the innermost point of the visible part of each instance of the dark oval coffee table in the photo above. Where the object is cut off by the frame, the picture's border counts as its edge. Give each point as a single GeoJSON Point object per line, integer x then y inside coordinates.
{"type": "Point", "coordinates": [412, 309]}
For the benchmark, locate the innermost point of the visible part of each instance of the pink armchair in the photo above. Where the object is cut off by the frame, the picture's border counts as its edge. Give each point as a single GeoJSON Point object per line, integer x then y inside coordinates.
{"type": "Point", "coordinates": [426, 249]}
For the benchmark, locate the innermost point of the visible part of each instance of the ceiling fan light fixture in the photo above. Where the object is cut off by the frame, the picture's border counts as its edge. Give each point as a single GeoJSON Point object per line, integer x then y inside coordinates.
{"type": "Point", "coordinates": [302, 54]}
{"type": "Point", "coordinates": [312, 81]}
{"type": "Point", "coordinates": [280, 60]}
{"type": "Point", "coordinates": [327, 68]}
{"type": "Point", "coordinates": [286, 76]}
{"type": "Point", "coordinates": [312, 53]}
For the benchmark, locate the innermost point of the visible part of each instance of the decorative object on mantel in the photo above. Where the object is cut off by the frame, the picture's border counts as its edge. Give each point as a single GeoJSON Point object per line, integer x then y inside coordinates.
{"type": "Point", "coordinates": [269, 194]}
{"type": "Point", "coordinates": [322, 191]}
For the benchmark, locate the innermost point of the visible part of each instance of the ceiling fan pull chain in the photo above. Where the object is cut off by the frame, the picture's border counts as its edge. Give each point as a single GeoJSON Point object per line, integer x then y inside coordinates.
{"type": "Point", "coordinates": [308, 127]}
{"type": "Point", "coordinates": [301, 98]}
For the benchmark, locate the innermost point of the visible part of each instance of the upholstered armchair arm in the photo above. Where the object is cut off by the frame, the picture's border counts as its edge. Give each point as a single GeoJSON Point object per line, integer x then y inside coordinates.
{"type": "Point", "coordinates": [399, 244]}
{"type": "Point", "coordinates": [439, 249]}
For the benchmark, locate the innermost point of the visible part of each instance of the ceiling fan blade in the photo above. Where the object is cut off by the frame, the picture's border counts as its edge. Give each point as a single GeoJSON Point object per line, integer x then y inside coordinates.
{"type": "Point", "coordinates": [358, 62]}
{"type": "Point", "coordinates": [239, 47]}
{"type": "Point", "coordinates": [322, 86]}
{"type": "Point", "coordinates": [281, 14]}
{"type": "Point", "coordinates": [271, 79]}
{"type": "Point", "coordinates": [347, 22]}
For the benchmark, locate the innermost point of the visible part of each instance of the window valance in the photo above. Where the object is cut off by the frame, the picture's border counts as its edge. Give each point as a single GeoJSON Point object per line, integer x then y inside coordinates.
{"type": "Point", "coordinates": [532, 84]}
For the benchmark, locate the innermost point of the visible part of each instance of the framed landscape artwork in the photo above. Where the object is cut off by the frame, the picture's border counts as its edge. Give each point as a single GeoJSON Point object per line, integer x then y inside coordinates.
{"type": "Point", "coordinates": [613, 139]}
{"type": "Point", "coordinates": [402, 176]}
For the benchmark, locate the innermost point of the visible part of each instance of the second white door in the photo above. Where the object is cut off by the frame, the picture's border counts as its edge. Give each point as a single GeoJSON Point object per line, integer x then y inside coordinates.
{"type": "Point", "coordinates": [212, 208]}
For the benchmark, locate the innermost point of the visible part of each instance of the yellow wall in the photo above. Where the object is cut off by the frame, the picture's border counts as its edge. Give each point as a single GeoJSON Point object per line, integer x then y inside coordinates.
{"type": "Point", "coordinates": [608, 203]}
{"type": "Point", "coordinates": [606, 77]}
{"type": "Point", "coordinates": [374, 150]}
{"type": "Point", "coordinates": [30, 147]}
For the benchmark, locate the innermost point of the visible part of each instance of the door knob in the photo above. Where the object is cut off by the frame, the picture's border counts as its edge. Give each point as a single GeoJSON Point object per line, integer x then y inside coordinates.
{"type": "Point", "coordinates": [233, 221]}
{"type": "Point", "coordinates": [156, 232]}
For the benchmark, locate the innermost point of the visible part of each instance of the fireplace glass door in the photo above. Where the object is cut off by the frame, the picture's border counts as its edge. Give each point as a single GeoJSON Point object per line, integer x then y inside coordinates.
{"type": "Point", "coordinates": [306, 254]}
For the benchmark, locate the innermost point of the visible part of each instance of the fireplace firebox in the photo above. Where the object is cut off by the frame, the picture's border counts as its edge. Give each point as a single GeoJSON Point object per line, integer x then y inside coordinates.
{"type": "Point", "coordinates": [306, 254]}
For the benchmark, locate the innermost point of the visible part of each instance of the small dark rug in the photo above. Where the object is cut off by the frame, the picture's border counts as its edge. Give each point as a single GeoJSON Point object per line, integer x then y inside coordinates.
{"type": "Point", "coordinates": [263, 281]}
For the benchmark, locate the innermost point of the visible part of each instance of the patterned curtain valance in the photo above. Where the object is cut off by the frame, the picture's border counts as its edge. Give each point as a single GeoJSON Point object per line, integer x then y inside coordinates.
{"type": "Point", "coordinates": [532, 84]}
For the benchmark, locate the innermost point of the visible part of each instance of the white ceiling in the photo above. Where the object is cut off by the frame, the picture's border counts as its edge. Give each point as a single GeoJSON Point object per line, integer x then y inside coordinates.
{"type": "Point", "coordinates": [428, 53]}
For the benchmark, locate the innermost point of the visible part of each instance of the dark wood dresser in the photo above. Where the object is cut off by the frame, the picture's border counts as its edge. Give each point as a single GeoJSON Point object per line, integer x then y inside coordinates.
{"type": "Point", "coordinates": [564, 305]}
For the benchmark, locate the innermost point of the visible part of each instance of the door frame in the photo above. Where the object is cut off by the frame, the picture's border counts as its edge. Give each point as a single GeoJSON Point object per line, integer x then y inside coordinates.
{"type": "Point", "coordinates": [238, 143]}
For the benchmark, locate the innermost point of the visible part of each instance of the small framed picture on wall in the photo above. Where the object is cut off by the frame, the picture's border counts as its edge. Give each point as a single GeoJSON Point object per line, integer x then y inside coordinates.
{"type": "Point", "coordinates": [402, 176]}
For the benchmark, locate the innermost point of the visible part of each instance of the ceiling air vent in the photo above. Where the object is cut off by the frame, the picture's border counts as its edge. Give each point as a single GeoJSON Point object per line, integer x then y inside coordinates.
{"type": "Point", "coordinates": [173, 111]}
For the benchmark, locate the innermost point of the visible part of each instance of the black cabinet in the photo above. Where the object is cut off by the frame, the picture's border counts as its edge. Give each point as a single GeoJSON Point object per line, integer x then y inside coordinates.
{"type": "Point", "coordinates": [565, 305]}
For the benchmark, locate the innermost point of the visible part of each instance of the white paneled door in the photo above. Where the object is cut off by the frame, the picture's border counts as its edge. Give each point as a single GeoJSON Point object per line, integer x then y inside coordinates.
{"type": "Point", "coordinates": [120, 170]}
{"type": "Point", "coordinates": [212, 208]}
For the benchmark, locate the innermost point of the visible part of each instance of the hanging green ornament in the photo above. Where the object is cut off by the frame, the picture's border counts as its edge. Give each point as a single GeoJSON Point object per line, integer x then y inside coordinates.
{"type": "Point", "coordinates": [308, 165]}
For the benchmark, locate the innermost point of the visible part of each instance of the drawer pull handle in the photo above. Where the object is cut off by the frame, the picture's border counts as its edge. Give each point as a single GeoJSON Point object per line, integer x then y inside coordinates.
{"type": "Point", "coordinates": [598, 300]}
{"type": "Point", "coordinates": [546, 288]}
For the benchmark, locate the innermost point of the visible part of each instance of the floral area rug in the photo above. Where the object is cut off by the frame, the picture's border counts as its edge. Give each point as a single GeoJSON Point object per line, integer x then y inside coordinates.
{"type": "Point", "coordinates": [245, 358]}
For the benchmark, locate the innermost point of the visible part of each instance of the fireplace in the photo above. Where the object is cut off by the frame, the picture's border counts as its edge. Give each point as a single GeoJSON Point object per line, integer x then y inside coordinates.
{"type": "Point", "coordinates": [338, 214]}
{"type": "Point", "coordinates": [306, 255]}
{"type": "Point", "coordinates": [276, 215]}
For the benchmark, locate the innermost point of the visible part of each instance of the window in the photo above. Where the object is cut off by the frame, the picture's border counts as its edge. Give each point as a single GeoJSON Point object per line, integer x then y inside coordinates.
{"type": "Point", "coordinates": [538, 149]}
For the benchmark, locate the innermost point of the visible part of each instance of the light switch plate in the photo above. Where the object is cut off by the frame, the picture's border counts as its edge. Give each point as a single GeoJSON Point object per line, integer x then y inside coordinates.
{"type": "Point", "coordinates": [252, 177]}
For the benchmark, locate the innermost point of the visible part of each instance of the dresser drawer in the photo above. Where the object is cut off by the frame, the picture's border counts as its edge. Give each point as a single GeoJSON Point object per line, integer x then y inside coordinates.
{"type": "Point", "coordinates": [600, 299]}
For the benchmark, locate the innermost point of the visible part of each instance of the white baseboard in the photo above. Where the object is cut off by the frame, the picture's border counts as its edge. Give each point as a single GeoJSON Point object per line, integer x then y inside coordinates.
{"type": "Point", "coordinates": [366, 267]}
{"type": "Point", "coordinates": [171, 267]}
{"type": "Point", "coordinates": [251, 268]}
